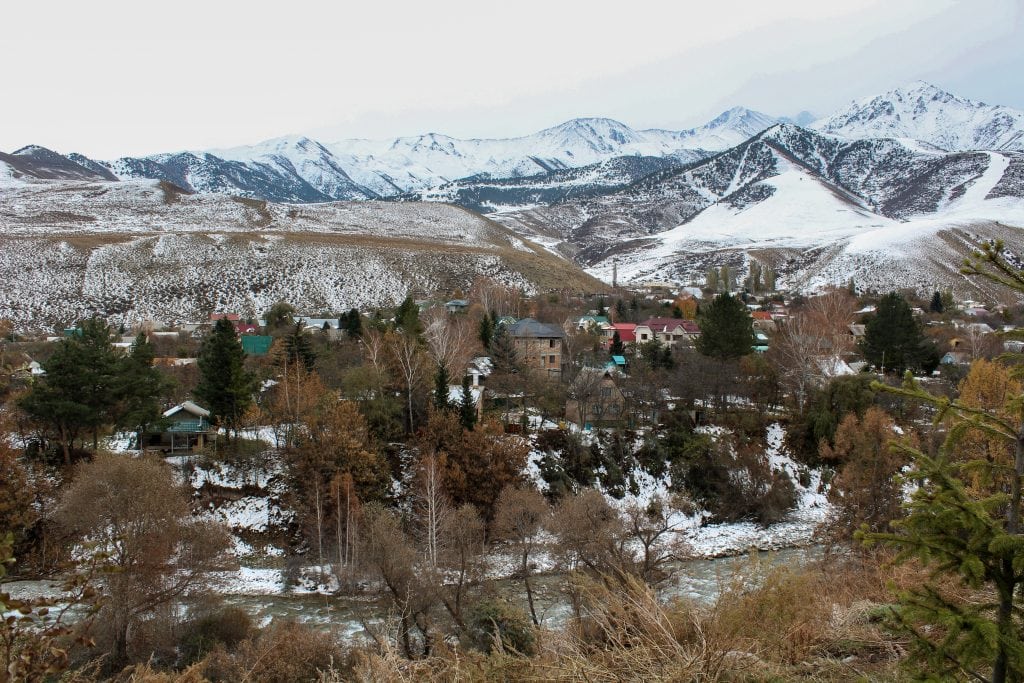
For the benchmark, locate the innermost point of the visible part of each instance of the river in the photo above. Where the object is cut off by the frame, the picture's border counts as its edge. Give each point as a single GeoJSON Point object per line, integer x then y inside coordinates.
{"type": "Point", "coordinates": [699, 579]}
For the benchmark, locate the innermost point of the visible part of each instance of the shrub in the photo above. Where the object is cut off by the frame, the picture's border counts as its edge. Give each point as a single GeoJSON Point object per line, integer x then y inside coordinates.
{"type": "Point", "coordinates": [495, 623]}
{"type": "Point", "coordinates": [227, 627]}
{"type": "Point", "coordinates": [283, 653]}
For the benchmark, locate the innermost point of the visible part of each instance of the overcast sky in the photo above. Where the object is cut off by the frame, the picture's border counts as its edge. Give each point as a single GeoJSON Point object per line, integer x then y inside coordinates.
{"type": "Point", "coordinates": [115, 78]}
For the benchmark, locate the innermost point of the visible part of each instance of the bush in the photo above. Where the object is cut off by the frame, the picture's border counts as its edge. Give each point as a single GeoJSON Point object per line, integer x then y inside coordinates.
{"type": "Point", "coordinates": [227, 628]}
{"type": "Point", "coordinates": [284, 653]}
{"type": "Point", "coordinates": [496, 621]}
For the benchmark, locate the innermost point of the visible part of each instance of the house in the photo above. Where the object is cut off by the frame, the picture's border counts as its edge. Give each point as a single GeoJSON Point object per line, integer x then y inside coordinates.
{"type": "Point", "coordinates": [241, 327]}
{"type": "Point", "coordinates": [857, 331]}
{"type": "Point", "coordinates": [668, 331]}
{"type": "Point", "coordinates": [834, 366]}
{"type": "Point", "coordinates": [184, 427]}
{"type": "Point", "coordinates": [627, 333]}
{"type": "Point", "coordinates": [763, 321]}
{"type": "Point", "coordinates": [592, 322]}
{"type": "Point", "coordinates": [479, 369]}
{"type": "Point", "coordinates": [595, 399]}
{"type": "Point", "coordinates": [956, 358]}
{"type": "Point", "coordinates": [456, 306]}
{"type": "Point", "coordinates": [760, 342]}
{"type": "Point", "coordinates": [538, 345]}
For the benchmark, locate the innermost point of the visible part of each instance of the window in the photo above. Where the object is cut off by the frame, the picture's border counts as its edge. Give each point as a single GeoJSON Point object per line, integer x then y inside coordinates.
{"type": "Point", "coordinates": [551, 360]}
{"type": "Point", "coordinates": [551, 343]}
{"type": "Point", "coordinates": [643, 336]}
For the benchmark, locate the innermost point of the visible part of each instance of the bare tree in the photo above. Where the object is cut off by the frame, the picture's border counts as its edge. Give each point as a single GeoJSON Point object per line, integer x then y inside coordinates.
{"type": "Point", "coordinates": [411, 364]}
{"type": "Point", "coordinates": [463, 534]}
{"type": "Point", "coordinates": [390, 555]}
{"type": "Point", "coordinates": [451, 341]}
{"type": "Point", "coordinates": [132, 510]}
{"type": "Point", "coordinates": [432, 506]}
{"type": "Point", "coordinates": [520, 516]}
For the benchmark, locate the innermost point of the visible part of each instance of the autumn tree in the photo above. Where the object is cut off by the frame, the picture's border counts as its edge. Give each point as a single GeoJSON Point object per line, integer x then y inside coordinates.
{"type": "Point", "coordinates": [334, 443]}
{"type": "Point", "coordinates": [133, 511]}
{"type": "Point", "coordinates": [973, 537]}
{"type": "Point", "coordinates": [478, 464]}
{"type": "Point", "coordinates": [867, 490]}
{"type": "Point", "coordinates": [390, 555]}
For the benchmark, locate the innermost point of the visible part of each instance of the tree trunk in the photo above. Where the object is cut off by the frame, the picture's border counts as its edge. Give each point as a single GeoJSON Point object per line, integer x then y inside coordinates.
{"type": "Point", "coordinates": [529, 588]}
{"type": "Point", "coordinates": [1008, 584]}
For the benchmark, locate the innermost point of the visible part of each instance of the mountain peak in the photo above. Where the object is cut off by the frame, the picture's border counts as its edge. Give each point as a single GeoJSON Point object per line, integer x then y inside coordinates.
{"type": "Point", "coordinates": [922, 111]}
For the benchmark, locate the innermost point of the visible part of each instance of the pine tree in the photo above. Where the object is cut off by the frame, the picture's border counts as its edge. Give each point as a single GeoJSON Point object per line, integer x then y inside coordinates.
{"type": "Point", "coordinates": [467, 406]}
{"type": "Point", "coordinates": [503, 352]}
{"type": "Point", "coordinates": [617, 348]}
{"type": "Point", "coordinates": [893, 338]}
{"type": "Point", "coordinates": [225, 386]}
{"type": "Point", "coordinates": [936, 304]}
{"type": "Point", "coordinates": [353, 323]}
{"type": "Point", "coordinates": [140, 388]}
{"type": "Point", "coordinates": [726, 329]}
{"type": "Point", "coordinates": [972, 534]}
{"type": "Point", "coordinates": [407, 318]}
{"type": "Point", "coordinates": [441, 401]}
{"type": "Point", "coordinates": [79, 392]}
{"type": "Point", "coordinates": [486, 331]}
{"type": "Point", "coordinates": [298, 349]}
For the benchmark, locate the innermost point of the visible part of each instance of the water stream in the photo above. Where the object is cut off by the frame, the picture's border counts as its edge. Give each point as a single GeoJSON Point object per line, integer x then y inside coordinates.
{"type": "Point", "coordinates": [700, 580]}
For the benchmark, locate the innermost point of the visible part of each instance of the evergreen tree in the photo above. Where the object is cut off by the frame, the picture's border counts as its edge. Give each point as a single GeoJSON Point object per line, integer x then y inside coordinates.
{"type": "Point", "coordinates": [467, 406]}
{"type": "Point", "coordinates": [726, 328]}
{"type": "Point", "coordinates": [602, 309]}
{"type": "Point", "coordinates": [407, 318]}
{"type": "Point", "coordinates": [620, 310]}
{"type": "Point", "coordinates": [297, 349]}
{"type": "Point", "coordinates": [936, 305]}
{"type": "Point", "coordinates": [503, 352]}
{"type": "Point", "coordinates": [893, 338]}
{"type": "Point", "coordinates": [79, 392]}
{"type": "Point", "coordinates": [225, 386]}
{"type": "Point", "coordinates": [617, 348]}
{"type": "Point", "coordinates": [441, 381]}
{"type": "Point", "coordinates": [971, 534]}
{"type": "Point", "coordinates": [353, 323]}
{"type": "Point", "coordinates": [486, 331]}
{"type": "Point", "coordinates": [140, 389]}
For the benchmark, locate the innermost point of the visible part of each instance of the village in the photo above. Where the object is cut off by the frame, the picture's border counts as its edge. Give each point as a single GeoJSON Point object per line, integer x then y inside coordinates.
{"type": "Point", "coordinates": [480, 435]}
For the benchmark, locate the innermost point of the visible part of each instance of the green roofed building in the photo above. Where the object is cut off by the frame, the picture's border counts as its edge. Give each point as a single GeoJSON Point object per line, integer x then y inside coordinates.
{"type": "Point", "coordinates": [256, 344]}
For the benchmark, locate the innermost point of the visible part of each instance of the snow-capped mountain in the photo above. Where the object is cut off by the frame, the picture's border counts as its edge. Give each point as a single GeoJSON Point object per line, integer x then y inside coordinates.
{"type": "Point", "coordinates": [299, 169]}
{"type": "Point", "coordinates": [818, 207]}
{"type": "Point", "coordinates": [921, 111]}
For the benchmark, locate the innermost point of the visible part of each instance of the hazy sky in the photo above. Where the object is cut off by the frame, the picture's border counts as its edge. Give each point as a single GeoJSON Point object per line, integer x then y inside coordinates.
{"type": "Point", "coordinates": [112, 78]}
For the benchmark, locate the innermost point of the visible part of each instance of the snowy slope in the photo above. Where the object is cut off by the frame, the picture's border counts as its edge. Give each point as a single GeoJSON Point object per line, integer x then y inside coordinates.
{"type": "Point", "coordinates": [818, 208]}
{"type": "Point", "coordinates": [924, 112]}
{"type": "Point", "coordinates": [134, 250]}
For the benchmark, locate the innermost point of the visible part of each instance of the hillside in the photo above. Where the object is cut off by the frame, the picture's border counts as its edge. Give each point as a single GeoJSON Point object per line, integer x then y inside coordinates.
{"type": "Point", "coordinates": [819, 208]}
{"type": "Point", "coordinates": [145, 249]}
